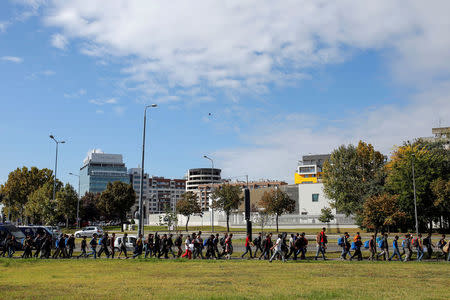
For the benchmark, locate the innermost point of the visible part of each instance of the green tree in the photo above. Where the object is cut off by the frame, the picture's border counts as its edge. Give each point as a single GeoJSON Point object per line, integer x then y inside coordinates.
{"type": "Point", "coordinates": [89, 207]}
{"type": "Point", "coordinates": [382, 212]}
{"type": "Point", "coordinates": [66, 203]}
{"type": "Point", "coordinates": [22, 183]}
{"type": "Point", "coordinates": [276, 202]}
{"type": "Point", "coordinates": [326, 215]}
{"type": "Point", "coordinates": [431, 162]}
{"type": "Point", "coordinates": [351, 175]}
{"type": "Point", "coordinates": [116, 201]}
{"type": "Point", "coordinates": [188, 205]}
{"type": "Point", "coordinates": [441, 193]}
{"type": "Point", "coordinates": [227, 198]}
{"type": "Point", "coordinates": [169, 218]}
{"type": "Point", "coordinates": [40, 207]}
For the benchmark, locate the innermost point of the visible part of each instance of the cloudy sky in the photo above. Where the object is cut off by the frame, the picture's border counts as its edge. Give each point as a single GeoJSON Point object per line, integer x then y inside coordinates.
{"type": "Point", "coordinates": [253, 84]}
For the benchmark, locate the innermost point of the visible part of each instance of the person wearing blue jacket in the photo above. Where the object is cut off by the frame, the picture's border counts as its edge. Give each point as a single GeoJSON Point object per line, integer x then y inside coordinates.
{"type": "Point", "coordinates": [396, 250]}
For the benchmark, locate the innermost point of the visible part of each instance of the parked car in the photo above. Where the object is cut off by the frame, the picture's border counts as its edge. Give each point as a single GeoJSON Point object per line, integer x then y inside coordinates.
{"type": "Point", "coordinates": [130, 243]}
{"type": "Point", "coordinates": [9, 229]}
{"type": "Point", "coordinates": [33, 230]}
{"type": "Point", "coordinates": [89, 231]}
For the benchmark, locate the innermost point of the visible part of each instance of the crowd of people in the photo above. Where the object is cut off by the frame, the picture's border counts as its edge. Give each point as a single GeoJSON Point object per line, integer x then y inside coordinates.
{"type": "Point", "coordinates": [194, 246]}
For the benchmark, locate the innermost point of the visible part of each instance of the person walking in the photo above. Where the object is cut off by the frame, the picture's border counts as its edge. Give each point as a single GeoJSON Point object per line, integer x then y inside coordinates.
{"type": "Point", "coordinates": [157, 245]}
{"type": "Point", "coordinates": [123, 246]}
{"type": "Point", "coordinates": [395, 249]}
{"type": "Point", "coordinates": [37, 242]}
{"type": "Point", "coordinates": [11, 245]}
{"type": "Point", "coordinates": [292, 249]}
{"type": "Point", "coordinates": [104, 242]}
{"type": "Point", "coordinates": [357, 253]}
{"type": "Point", "coordinates": [93, 243]}
{"type": "Point", "coordinates": [407, 248]}
{"type": "Point", "coordinates": [27, 245]}
{"type": "Point", "coordinates": [229, 246]}
{"type": "Point", "coordinates": [266, 247]}
{"type": "Point", "coordinates": [70, 245]}
{"type": "Point", "coordinates": [321, 241]}
{"type": "Point", "coordinates": [170, 245]}
{"type": "Point", "coordinates": [383, 245]}
{"type": "Point", "coordinates": [210, 251]}
{"type": "Point", "coordinates": [139, 247]}
{"type": "Point", "coordinates": [356, 237]}
{"type": "Point", "coordinates": [248, 248]}
{"type": "Point", "coordinates": [345, 244]}
{"type": "Point", "coordinates": [428, 243]}
{"type": "Point", "coordinates": [257, 243]}
{"type": "Point", "coordinates": [178, 243]}
{"type": "Point", "coordinates": [216, 242]}
{"type": "Point", "coordinates": [46, 246]}
{"type": "Point", "coordinates": [112, 242]}
{"type": "Point", "coordinates": [373, 249]}
{"type": "Point", "coordinates": [277, 249]}
{"type": "Point", "coordinates": [148, 245]}
{"type": "Point", "coordinates": [83, 247]}
{"type": "Point", "coordinates": [440, 247]}
{"type": "Point", "coordinates": [3, 243]}
{"type": "Point", "coordinates": [164, 248]}
{"type": "Point", "coordinates": [187, 245]}
{"type": "Point", "coordinates": [418, 243]}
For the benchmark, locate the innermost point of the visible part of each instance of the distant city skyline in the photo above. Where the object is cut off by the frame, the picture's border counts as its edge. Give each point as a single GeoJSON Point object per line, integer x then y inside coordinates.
{"type": "Point", "coordinates": [255, 86]}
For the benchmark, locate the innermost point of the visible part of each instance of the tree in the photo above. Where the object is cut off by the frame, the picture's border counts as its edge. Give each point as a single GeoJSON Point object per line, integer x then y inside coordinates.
{"type": "Point", "coordinates": [326, 216]}
{"type": "Point", "coordinates": [169, 218]}
{"type": "Point", "coordinates": [227, 198]}
{"type": "Point", "coordinates": [40, 207]}
{"type": "Point", "coordinates": [431, 162]}
{"type": "Point", "coordinates": [382, 212]}
{"type": "Point", "coordinates": [116, 201]}
{"type": "Point", "coordinates": [351, 175]}
{"type": "Point", "coordinates": [89, 207]}
{"type": "Point", "coordinates": [441, 193]}
{"type": "Point", "coordinates": [188, 205]}
{"type": "Point", "coordinates": [22, 183]}
{"type": "Point", "coordinates": [276, 202]}
{"type": "Point", "coordinates": [66, 202]}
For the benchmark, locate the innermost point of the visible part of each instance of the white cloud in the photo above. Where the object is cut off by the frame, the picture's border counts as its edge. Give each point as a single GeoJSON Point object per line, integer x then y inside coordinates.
{"type": "Point", "coordinates": [245, 45]}
{"type": "Point", "coordinates": [3, 26]}
{"type": "Point", "coordinates": [59, 41]}
{"type": "Point", "coordinates": [275, 148]}
{"type": "Point", "coordinates": [103, 102]}
{"type": "Point", "coordinates": [13, 59]}
{"type": "Point", "coordinates": [79, 93]}
{"type": "Point", "coordinates": [119, 110]}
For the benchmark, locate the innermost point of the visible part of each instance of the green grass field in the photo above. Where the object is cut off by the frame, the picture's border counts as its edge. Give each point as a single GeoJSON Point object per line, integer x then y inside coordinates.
{"type": "Point", "coordinates": [175, 279]}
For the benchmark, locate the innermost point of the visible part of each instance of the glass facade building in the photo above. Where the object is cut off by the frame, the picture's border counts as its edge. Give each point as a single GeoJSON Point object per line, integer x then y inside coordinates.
{"type": "Point", "coordinates": [99, 169]}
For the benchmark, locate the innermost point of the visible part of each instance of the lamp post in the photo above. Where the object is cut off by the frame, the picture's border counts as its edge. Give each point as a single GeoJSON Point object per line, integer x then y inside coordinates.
{"type": "Point", "coordinates": [415, 199]}
{"type": "Point", "coordinates": [212, 182]}
{"type": "Point", "coordinates": [56, 163]}
{"type": "Point", "coordinates": [79, 197]}
{"type": "Point", "coordinates": [141, 213]}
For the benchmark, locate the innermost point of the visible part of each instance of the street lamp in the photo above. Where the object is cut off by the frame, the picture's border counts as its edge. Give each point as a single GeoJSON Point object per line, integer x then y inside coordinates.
{"type": "Point", "coordinates": [141, 213]}
{"type": "Point", "coordinates": [56, 162]}
{"type": "Point", "coordinates": [79, 196]}
{"type": "Point", "coordinates": [212, 182]}
{"type": "Point", "coordinates": [415, 200]}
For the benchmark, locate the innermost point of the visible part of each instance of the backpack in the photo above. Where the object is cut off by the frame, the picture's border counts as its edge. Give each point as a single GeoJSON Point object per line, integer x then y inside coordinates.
{"type": "Point", "coordinates": [366, 244]}
{"type": "Point", "coordinates": [446, 248]}
{"type": "Point", "coordinates": [255, 241]}
{"type": "Point", "coordinates": [415, 242]}
{"type": "Point", "coordinates": [222, 241]}
{"type": "Point", "coordinates": [353, 247]}
{"type": "Point", "coordinates": [205, 242]}
{"type": "Point", "coordinates": [178, 242]}
{"type": "Point", "coordinates": [404, 243]}
{"type": "Point", "coordinates": [100, 241]}
{"type": "Point", "coordinates": [381, 243]}
{"type": "Point", "coordinates": [341, 241]}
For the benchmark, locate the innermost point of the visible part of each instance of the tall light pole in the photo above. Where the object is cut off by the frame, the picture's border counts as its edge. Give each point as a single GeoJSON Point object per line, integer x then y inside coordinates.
{"type": "Point", "coordinates": [141, 212]}
{"type": "Point", "coordinates": [414, 189]}
{"type": "Point", "coordinates": [79, 197]}
{"type": "Point", "coordinates": [212, 182]}
{"type": "Point", "coordinates": [56, 163]}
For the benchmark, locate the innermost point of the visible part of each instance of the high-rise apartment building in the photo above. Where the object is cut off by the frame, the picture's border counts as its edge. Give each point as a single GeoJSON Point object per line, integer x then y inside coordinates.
{"type": "Point", "coordinates": [100, 168]}
{"type": "Point", "coordinates": [202, 176]}
{"type": "Point", "coordinates": [159, 193]}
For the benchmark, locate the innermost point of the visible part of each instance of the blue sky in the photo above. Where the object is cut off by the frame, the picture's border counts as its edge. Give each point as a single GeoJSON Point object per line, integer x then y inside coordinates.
{"type": "Point", "coordinates": [280, 81]}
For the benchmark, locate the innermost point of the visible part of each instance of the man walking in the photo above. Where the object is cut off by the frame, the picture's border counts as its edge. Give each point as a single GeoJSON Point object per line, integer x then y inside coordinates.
{"type": "Point", "coordinates": [83, 248]}
{"type": "Point", "coordinates": [345, 244]}
{"type": "Point", "coordinates": [440, 246]}
{"type": "Point", "coordinates": [70, 245]}
{"type": "Point", "coordinates": [407, 247]}
{"type": "Point", "coordinates": [427, 242]}
{"type": "Point", "coordinates": [257, 242]}
{"type": "Point", "coordinates": [248, 247]}
{"type": "Point", "coordinates": [418, 243]}
{"type": "Point", "coordinates": [373, 249]}
{"type": "Point", "coordinates": [396, 249]}
{"type": "Point", "coordinates": [139, 247]}
{"type": "Point", "coordinates": [164, 248]}
{"type": "Point", "coordinates": [383, 245]}
{"type": "Point", "coordinates": [357, 253]}
{"type": "Point", "coordinates": [178, 243]}
{"type": "Point", "coordinates": [104, 246]}
{"type": "Point", "coordinates": [123, 245]}
{"type": "Point", "coordinates": [277, 249]}
{"type": "Point", "coordinates": [93, 244]}
{"type": "Point", "coordinates": [170, 244]}
{"type": "Point", "coordinates": [38, 240]}
{"type": "Point", "coordinates": [292, 249]}
{"type": "Point", "coordinates": [112, 241]}
{"type": "Point", "coordinates": [321, 241]}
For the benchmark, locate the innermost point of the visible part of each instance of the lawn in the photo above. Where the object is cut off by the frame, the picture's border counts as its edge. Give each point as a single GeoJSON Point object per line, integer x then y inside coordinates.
{"type": "Point", "coordinates": [174, 279]}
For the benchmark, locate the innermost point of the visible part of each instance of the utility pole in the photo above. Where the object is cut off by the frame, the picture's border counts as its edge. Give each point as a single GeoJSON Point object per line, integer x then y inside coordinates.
{"type": "Point", "coordinates": [415, 199]}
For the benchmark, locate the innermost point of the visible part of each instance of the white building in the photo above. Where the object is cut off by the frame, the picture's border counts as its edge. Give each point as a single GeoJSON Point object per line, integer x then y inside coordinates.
{"type": "Point", "coordinates": [312, 199]}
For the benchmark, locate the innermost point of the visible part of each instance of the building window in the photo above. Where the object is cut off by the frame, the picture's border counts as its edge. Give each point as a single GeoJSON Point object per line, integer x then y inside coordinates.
{"type": "Point", "coordinates": [304, 213]}
{"type": "Point", "coordinates": [315, 197]}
